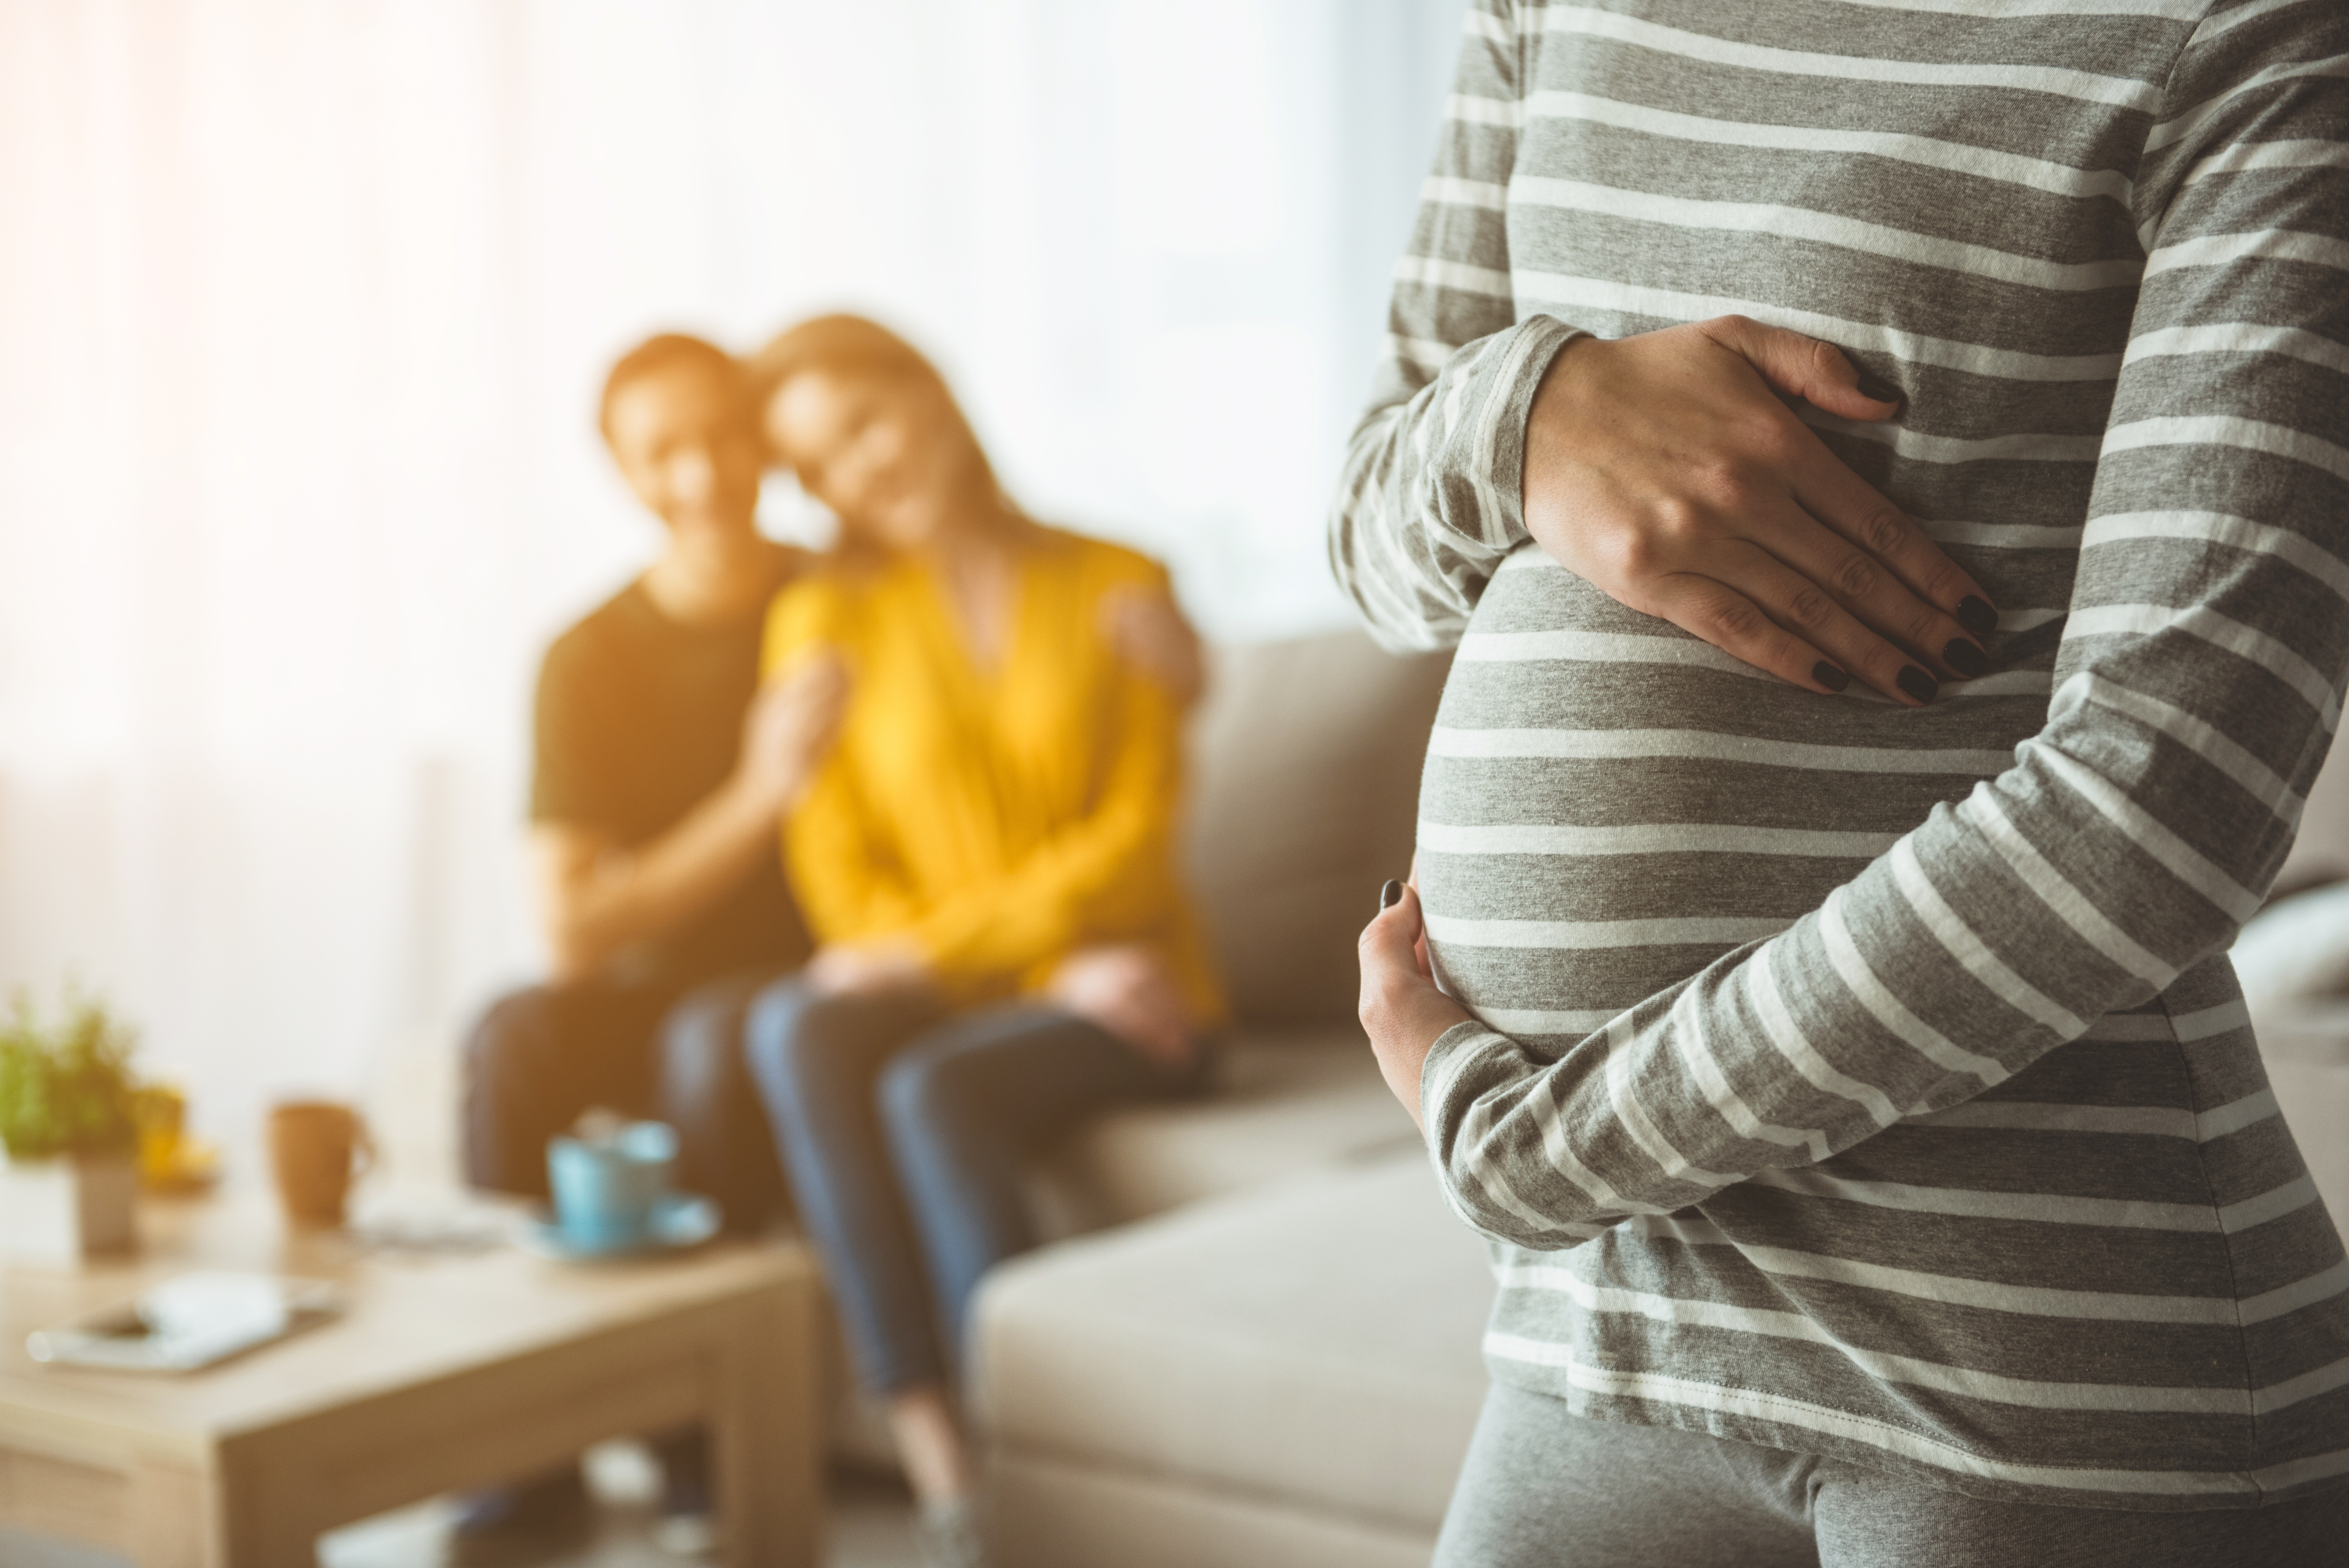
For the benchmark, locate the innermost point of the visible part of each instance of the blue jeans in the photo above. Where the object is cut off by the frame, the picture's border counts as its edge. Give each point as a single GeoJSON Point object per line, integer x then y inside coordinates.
{"type": "Point", "coordinates": [905, 1132]}
{"type": "Point", "coordinates": [540, 1056]}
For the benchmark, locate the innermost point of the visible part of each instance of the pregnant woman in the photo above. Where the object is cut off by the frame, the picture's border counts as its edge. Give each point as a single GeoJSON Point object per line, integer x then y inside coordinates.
{"type": "Point", "coordinates": [1834, 1033]}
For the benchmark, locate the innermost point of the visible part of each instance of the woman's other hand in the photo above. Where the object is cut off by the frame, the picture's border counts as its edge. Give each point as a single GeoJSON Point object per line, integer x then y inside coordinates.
{"type": "Point", "coordinates": [1128, 991]}
{"type": "Point", "coordinates": [868, 968]}
{"type": "Point", "coordinates": [1148, 632]}
{"type": "Point", "coordinates": [791, 727]}
{"type": "Point", "coordinates": [1662, 469]}
{"type": "Point", "coordinates": [1401, 1009]}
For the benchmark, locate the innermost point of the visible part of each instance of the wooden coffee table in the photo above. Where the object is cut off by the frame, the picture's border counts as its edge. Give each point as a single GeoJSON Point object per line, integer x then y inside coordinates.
{"type": "Point", "coordinates": [446, 1372]}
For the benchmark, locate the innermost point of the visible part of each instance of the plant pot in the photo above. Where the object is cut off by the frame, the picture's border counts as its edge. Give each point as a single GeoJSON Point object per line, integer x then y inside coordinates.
{"type": "Point", "coordinates": [60, 1211]}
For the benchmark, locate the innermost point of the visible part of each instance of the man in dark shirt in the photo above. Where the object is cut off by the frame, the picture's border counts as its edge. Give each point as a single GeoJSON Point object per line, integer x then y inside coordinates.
{"type": "Point", "coordinates": [662, 772]}
{"type": "Point", "coordinates": [639, 719]}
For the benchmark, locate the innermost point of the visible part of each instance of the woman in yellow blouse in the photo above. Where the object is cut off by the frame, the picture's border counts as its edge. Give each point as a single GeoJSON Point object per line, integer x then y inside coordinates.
{"type": "Point", "coordinates": [986, 862]}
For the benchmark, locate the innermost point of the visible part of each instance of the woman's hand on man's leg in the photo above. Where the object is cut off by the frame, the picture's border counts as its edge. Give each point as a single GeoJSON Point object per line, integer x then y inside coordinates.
{"type": "Point", "coordinates": [869, 968]}
{"type": "Point", "coordinates": [1127, 989]}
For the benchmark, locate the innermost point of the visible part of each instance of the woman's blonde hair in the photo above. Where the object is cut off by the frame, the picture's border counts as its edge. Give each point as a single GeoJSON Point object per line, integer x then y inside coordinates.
{"type": "Point", "coordinates": [853, 347]}
{"type": "Point", "coordinates": [843, 346]}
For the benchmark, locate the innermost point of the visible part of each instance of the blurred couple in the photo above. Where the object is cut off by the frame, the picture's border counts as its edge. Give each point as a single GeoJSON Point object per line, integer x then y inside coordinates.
{"type": "Point", "coordinates": [859, 869]}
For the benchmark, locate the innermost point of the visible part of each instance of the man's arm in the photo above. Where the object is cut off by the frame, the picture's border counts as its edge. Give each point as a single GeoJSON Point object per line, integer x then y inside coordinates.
{"type": "Point", "coordinates": [597, 899]}
{"type": "Point", "coordinates": [1150, 633]}
{"type": "Point", "coordinates": [2198, 684]}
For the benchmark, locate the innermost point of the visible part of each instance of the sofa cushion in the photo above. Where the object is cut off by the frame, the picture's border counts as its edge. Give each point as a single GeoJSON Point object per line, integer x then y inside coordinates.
{"type": "Point", "coordinates": [1314, 1346]}
{"type": "Point", "coordinates": [1304, 797]}
{"type": "Point", "coordinates": [2306, 1048]}
{"type": "Point", "coordinates": [1284, 1102]}
{"type": "Point", "coordinates": [2320, 850]}
{"type": "Point", "coordinates": [2295, 952]}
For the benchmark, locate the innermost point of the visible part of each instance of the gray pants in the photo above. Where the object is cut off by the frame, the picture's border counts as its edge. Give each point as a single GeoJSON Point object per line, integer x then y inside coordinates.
{"type": "Point", "coordinates": [1546, 1489]}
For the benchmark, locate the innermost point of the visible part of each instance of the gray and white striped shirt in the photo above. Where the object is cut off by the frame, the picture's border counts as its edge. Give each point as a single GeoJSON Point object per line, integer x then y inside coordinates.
{"type": "Point", "coordinates": [1850, 1079]}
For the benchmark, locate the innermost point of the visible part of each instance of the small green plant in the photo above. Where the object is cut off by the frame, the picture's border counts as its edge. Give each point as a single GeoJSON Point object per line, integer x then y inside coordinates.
{"type": "Point", "coordinates": [66, 1090]}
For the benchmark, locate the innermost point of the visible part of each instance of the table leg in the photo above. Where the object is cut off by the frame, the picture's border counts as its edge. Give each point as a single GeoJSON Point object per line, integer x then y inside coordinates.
{"type": "Point", "coordinates": [266, 1502]}
{"type": "Point", "coordinates": [766, 1424]}
{"type": "Point", "coordinates": [173, 1521]}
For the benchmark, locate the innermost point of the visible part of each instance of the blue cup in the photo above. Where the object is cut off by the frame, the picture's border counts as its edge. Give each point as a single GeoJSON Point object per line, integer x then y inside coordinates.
{"type": "Point", "coordinates": [607, 1189]}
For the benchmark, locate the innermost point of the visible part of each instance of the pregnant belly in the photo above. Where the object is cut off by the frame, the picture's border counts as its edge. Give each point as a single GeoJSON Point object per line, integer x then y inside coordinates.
{"type": "Point", "coordinates": [1610, 805]}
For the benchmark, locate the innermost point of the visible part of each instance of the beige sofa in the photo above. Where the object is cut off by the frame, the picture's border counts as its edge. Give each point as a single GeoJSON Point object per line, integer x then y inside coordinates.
{"type": "Point", "coordinates": [1266, 1349]}
{"type": "Point", "coordinates": [1264, 1352]}
{"type": "Point", "coordinates": [2304, 1027]}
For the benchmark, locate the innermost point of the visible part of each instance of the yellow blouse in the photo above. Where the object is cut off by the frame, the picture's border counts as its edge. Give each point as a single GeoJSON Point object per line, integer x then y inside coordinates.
{"type": "Point", "coordinates": [1000, 819]}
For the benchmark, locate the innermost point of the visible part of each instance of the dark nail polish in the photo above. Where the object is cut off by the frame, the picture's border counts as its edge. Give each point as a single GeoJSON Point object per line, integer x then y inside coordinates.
{"type": "Point", "coordinates": [1916, 683]}
{"type": "Point", "coordinates": [1827, 676]}
{"type": "Point", "coordinates": [1966, 658]}
{"type": "Point", "coordinates": [1391, 895]}
{"type": "Point", "coordinates": [1976, 616]}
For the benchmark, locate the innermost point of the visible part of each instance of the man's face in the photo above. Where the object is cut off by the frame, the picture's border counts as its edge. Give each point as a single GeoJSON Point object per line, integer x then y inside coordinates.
{"type": "Point", "coordinates": [688, 444]}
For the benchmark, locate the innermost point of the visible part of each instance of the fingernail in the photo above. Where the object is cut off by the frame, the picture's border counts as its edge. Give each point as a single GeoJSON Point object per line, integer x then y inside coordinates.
{"type": "Point", "coordinates": [1966, 658]}
{"type": "Point", "coordinates": [1827, 676]}
{"type": "Point", "coordinates": [1391, 895]}
{"type": "Point", "coordinates": [1918, 684]}
{"type": "Point", "coordinates": [1975, 616]}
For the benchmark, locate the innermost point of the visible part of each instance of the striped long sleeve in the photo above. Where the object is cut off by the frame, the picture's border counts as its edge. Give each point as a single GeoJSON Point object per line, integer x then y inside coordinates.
{"type": "Point", "coordinates": [2198, 684]}
{"type": "Point", "coordinates": [2108, 262]}
{"type": "Point", "coordinates": [1430, 498]}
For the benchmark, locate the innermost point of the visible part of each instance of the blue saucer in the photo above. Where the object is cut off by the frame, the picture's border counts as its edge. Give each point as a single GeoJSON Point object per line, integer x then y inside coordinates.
{"type": "Point", "coordinates": [682, 1221]}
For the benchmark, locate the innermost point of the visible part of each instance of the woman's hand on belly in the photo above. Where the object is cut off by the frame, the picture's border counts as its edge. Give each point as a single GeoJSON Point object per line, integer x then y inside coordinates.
{"type": "Point", "coordinates": [1401, 1010]}
{"type": "Point", "coordinates": [1662, 469]}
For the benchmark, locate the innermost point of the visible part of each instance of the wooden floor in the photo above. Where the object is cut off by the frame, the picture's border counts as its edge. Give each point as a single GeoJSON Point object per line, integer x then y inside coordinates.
{"type": "Point", "coordinates": [871, 1523]}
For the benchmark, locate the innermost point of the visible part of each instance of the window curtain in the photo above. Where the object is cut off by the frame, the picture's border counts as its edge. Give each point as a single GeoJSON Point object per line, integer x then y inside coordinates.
{"type": "Point", "coordinates": [303, 305]}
